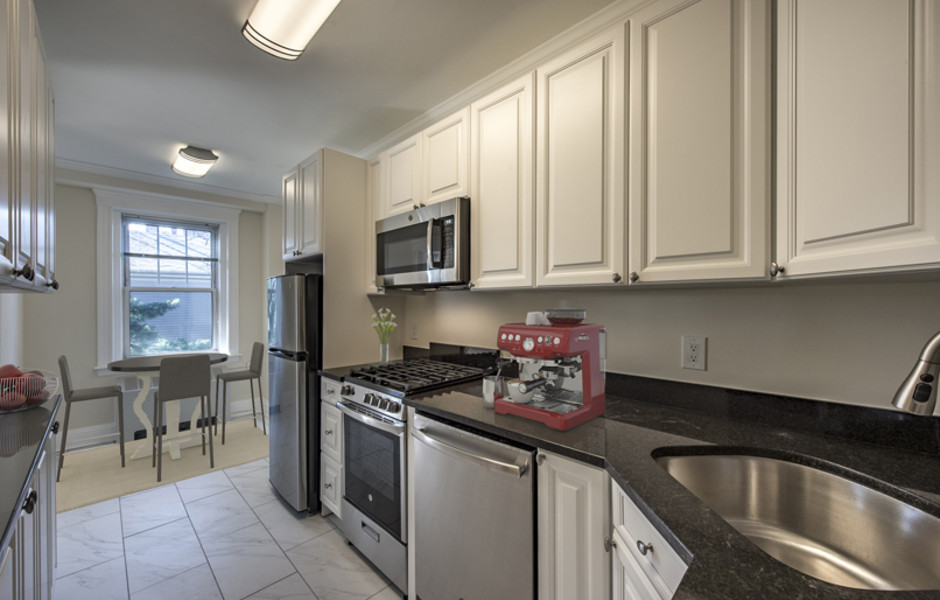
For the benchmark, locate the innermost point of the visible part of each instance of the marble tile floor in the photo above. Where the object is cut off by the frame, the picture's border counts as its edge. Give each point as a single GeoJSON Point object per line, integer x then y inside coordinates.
{"type": "Point", "coordinates": [224, 535]}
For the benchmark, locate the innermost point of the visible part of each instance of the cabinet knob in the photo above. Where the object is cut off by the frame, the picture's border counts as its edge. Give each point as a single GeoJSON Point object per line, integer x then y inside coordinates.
{"type": "Point", "coordinates": [644, 548]}
{"type": "Point", "coordinates": [26, 272]}
{"type": "Point", "coordinates": [55, 427]}
{"type": "Point", "coordinates": [30, 502]}
{"type": "Point", "coordinates": [327, 485]}
{"type": "Point", "coordinates": [328, 432]}
{"type": "Point", "coordinates": [616, 278]}
{"type": "Point", "coordinates": [609, 543]}
{"type": "Point", "coordinates": [540, 459]}
{"type": "Point", "coordinates": [776, 269]}
{"type": "Point", "coordinates": [634, 277]}
{"type": "Point", "coordinates": [54, 284]}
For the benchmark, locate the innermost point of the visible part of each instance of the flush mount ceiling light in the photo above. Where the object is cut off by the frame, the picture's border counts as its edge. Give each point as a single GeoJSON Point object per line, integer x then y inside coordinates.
{"type": "Point", "coordinates": [194, 162]}
{"type": "Point", "coordinates": [283, 28]}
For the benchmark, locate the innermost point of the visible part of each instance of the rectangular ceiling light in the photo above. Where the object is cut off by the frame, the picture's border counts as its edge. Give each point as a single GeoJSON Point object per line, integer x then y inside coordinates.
{"type": "Point", "coordinates": [283, 28]}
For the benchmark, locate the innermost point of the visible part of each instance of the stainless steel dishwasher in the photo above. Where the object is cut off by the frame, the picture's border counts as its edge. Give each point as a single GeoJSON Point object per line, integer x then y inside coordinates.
{"type": "Point", "coordinates": [474, 515]}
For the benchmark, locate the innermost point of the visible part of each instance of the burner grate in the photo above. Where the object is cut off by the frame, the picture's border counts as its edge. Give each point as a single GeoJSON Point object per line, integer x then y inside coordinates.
{"type": "Point", "coordinates": [416, 375]}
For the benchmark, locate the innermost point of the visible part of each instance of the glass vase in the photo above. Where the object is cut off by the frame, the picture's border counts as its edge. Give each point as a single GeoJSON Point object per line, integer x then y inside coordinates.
{"type": "Point", "coordinates": [383, 352]}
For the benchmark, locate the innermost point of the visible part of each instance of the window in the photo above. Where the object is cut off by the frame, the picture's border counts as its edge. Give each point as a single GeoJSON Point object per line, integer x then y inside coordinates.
{"type": "Point", "coordinates": [170, 272]}
{"type": "Point", "coordinates": [153, 249]}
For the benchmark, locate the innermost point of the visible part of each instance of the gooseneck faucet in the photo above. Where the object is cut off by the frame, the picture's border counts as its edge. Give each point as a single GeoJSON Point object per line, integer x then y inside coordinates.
{"type": "Point", "coordinates": [918, 393]}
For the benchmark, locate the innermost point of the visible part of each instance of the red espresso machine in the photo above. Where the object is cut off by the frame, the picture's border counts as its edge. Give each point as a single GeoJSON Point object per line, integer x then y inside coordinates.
{"type": "Point", "coordinates": [561, 370]}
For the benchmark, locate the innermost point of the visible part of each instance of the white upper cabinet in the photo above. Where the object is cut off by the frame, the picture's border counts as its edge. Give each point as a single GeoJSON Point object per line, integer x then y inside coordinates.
{"type": "Point", "coordinates": [310, 206]}
{"type": "Point", "coordinates": [858, 136]}
{"type": "Point", "coordinates": [579, 163]}
{"type": "Point", "coordinates": [502, 200]}
{"type": "Point", "coordinates": [445, 149]}
{"type": "Point", "coordinates": [289, 187]}
{"type": "Point", "coordinates": [699, 138]}
{"type": "Point", "coordinates": [375, 194]}
{"type": "Point", "coordinates": [403, 177]}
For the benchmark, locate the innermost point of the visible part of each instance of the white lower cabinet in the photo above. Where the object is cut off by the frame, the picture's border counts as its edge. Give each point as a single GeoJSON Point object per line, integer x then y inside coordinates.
{"type": "Point", "coordinates": [27, 565]}
{"type": "Point", "coordinates": [573, 520]}
{"type": "Point", "coordinates": [331, 449]}
{"type": "Point", "coordinates": [645, 566]}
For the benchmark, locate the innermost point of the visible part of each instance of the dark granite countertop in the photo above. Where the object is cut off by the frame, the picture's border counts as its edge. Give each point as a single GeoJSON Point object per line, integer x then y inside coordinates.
{"type": "Point", "coordinates": [722, 562]}
{"type": "Point", "coordinates": [21, 439]}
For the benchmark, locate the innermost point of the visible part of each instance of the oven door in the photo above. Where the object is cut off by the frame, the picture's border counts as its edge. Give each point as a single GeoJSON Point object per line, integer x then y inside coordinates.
{"type": "Point", "coordinates": [374, 467]}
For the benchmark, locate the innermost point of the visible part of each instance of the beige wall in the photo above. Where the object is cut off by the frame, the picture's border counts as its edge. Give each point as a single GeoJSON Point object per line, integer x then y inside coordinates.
{"type": "Point", "coordinates": [847, 342]}
{"type": "Point", "coordinates": [65, 322]}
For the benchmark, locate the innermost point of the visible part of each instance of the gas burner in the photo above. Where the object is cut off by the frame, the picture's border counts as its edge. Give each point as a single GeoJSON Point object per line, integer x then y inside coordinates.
{"type": "Point", "coordinates": [414, 376]}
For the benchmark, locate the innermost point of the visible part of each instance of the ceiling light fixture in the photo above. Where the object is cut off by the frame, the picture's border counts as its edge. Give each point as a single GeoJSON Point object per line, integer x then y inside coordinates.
{"type": "Point", "coordinates": [283, 28]}
{"type": "Point", "coordinates": [194, 162]}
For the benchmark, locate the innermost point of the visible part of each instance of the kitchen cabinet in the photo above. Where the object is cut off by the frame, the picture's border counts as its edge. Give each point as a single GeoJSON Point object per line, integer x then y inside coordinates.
{"type": "Point", "coordinates": [302, 195]}
{"type": "Point", "coordinates": [403, 177]}
{"type": "Point", "coordinates": [699, 140]}
{"type": "Point", "coordinates": [573, 521]}
{"type": "Point", "coordinates": [580, 163]}
{"type": "Point", "coordinates": [445, 149]}
{"type": "Point", "coordinates": [27, 223]}
{"type": "Point", "coordinates": [858, 137]}
{"type": "Point", "coordinates": [502, 200]}
{"type": "Point", "coordinates": [644, 565]}
{"type": "Point", "coordinates": [27, 565]}
{"type": "Point", "coordinates": [331, 449]}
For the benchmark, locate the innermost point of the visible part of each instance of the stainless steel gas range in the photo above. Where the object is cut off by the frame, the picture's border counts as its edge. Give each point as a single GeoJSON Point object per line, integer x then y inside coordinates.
{"type": "Point", "coordinates": [375, 466]}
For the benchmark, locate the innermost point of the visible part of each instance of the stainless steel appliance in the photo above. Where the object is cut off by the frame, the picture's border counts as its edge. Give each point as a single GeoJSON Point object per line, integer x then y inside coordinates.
{"type": "Point", "coordinates": [460, 478]}
{"type": "Point", "coordinates": [294, 360]}
{"type": "Point", "coordinates": [375, 469]}
{"type": "Point", "coordinates": [425, 247]}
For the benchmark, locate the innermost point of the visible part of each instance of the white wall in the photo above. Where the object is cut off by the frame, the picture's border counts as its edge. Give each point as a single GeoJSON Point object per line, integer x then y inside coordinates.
{"type": "Point", "coordinates": [850, 342]}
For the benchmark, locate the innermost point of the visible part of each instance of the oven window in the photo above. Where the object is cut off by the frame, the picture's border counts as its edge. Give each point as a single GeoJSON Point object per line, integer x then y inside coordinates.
{"type": "Point", "coordinates": [402, 250]}
{"type": "Point", "coordinates": [373, 473]}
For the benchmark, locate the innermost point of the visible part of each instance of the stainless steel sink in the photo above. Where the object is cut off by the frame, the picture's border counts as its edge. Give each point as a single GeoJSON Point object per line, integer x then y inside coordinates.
{"type": "Point", "coordinates": [821, 524]}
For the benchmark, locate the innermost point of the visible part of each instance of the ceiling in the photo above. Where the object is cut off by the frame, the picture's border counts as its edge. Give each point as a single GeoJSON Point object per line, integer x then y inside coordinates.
{"type": "Point", "coordinates": [135, 80]}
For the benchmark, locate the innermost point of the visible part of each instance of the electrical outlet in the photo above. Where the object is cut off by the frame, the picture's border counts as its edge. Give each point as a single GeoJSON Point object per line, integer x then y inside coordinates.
{"type": "Point", "coordinates": [694, 351]}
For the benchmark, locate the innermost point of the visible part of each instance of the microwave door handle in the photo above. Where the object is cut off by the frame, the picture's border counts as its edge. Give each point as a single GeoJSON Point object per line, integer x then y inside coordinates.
{"type": "Point", "coordinates": [430, 241]}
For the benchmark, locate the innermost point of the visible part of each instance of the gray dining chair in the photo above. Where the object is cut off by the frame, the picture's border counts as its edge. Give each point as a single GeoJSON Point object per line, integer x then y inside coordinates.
{"type": "Point", "coordinates": [182, 377]}
{"type": "Point", "coordinates": [71, 395]}
{"type": "Point", "coordinates": [251, 373]}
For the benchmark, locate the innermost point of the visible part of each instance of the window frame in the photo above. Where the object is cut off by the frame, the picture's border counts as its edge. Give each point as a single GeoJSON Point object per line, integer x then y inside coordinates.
{"type": "Point", "coordinates": [128, 289]}
{"type": "Point", "coordinates": [112, 205]}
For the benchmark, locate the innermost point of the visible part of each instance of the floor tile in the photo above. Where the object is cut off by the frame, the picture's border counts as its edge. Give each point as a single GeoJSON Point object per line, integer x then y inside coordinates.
{"type": "Point", "coordinates": [86, 513]}
{"type": "Point", "coordinates": [254, 486]}
{"type": "Point", "coordinates": [290, 528]}
{"type": "Point", "coordinates": [194, 584]}
{"type": "Point", "coordinates": [246, 561]}
{"type": "Point", "coordinates": [151, 508]}
{"type": "Point", "coordinates": [203, 486]}
{"type": "Point", "coordinates": [333, 570]}
{"type": "Point", "coordinates": [88, 544]}
{"type": "Point", "coordinates": [220, 514]}
{"type": "Point", "coordinates": [291, 588]}
{"type": "Point", "coordinates": [389, 593]}
{"type": "Point", "coordinates": [107, 581]}
{"type": "Point", "coordinates": [247, 467]}
{"type": "Point", "coordinates": [160, 553]}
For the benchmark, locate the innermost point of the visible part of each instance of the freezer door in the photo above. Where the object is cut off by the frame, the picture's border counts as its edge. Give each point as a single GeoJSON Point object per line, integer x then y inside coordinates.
{"type": "Point", "coordinates": [287, 429]}
{"type": "Point", "coordinates": [286, 313]}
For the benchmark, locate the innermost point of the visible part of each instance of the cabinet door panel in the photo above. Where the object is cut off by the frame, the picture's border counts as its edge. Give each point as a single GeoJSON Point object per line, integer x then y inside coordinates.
{"type": "Point", "coordinates": [502, 214]}
{"type": "Point", "coordinates": [445, 148]}
{"type": "Point", "coordinates": [311, 205]}
{"type": "Point", "coordinates": [699, 107]}
{"type": "Point", "coordinates": [403, 177]}
{"type": "Point", "coordinates": [579, 160]}
{"type": "Point", "coordinates": [289, 186]}
{"type": "Point", "coordinates": [859, 135]}
{"type": "Point", "coordinates": [7, 177]}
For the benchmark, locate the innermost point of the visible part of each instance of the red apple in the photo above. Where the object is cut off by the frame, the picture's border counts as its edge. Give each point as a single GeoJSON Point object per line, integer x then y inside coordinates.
{"type": "Point", "coordinates": [9, 371]}
{"type": "Point", "coordinates": [12, 399]}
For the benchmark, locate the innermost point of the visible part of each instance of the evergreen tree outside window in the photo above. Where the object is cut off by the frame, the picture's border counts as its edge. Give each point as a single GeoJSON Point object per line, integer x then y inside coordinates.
{"type": "Point", "coordinates": [171, 289]}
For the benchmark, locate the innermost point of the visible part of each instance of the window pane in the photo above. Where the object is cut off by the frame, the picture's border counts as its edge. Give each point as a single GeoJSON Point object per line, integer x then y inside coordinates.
{"type": "Point", "coordinates": [200, 244]}
{"type": "Point", "coordinates": [174, 321]}
{"type": "Point", "coordinates": [172, 241]}
{"type": "Point", "coordinates": [142, 239]}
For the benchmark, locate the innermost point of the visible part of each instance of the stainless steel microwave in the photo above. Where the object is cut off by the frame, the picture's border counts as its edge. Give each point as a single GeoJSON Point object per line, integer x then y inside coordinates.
{"type": "Point", "coordinates": [425, 247]}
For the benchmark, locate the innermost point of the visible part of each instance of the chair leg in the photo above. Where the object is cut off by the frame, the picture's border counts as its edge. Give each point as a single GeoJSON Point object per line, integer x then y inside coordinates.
{"type": "Point", "coordinates": [217, 381]}
{"type": "Point", "coordinates": [65, 434]}
{"type": "Point", "coordinates": [120, 403]}
{"type": "Point", "coordinates": [224, 409]}
{"type": "Point", "coordinates": [264, 428]}
{"type": "Point", "coordinates": [160, 448]}
{"type": "Point", "coordinates": [153, 440]}
{"type": "Point", "coordinates": [254, 413]}
{"type": "Point", "coordinates": [211, 454]}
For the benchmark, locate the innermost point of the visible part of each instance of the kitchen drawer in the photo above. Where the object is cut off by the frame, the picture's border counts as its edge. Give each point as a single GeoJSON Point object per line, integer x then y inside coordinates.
{"type": "Point", "coordinates": [629, 580]}
{"type": "Point", "coordinates": [330, 390]}
{"type": "Point", "coordinates": [331, 485]}
{"type": "Point", "coordinates": [331, 431]}
{"type": "Point", "coordinates": [660, 563]}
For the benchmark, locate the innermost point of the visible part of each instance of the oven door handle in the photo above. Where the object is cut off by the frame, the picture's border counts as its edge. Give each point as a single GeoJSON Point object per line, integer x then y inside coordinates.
{"type": "Point", "coordinates": [448, 448]}
{"type": "Point", "coordinates": [371, 421]}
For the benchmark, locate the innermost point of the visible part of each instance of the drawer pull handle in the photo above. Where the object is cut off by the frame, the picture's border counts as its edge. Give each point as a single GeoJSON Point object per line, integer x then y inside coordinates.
{"type": "Point", "coordinates": [328, 432]}
{"type": "Point", "coordinates": [327, 485]}
{"type": "Point", "coordinates": [643, 548]}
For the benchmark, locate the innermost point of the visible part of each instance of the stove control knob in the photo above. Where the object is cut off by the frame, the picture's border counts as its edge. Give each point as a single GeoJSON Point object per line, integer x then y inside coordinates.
{"type": "Point", "coordinates": [346, 390]}
{"type": "Point", "coordinates": [383, 403]}
{"type": "Point", "coordinates": [395, 407]}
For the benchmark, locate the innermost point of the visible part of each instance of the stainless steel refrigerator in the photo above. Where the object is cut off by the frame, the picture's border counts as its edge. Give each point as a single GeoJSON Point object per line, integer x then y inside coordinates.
{"type": "Point", "coordinates": [295, 315]}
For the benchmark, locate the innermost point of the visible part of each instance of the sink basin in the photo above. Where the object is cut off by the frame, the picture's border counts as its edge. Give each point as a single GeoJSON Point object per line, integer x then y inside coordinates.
{"type": "Point", "coordinates": [819, 523]}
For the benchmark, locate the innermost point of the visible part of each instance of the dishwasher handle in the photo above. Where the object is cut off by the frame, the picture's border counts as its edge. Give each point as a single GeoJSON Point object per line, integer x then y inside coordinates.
{"type": "Point", "coordinates": [422, 435]}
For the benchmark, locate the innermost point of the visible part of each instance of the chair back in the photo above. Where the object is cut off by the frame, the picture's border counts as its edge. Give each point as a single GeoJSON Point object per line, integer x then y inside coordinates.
{"type": "Point", "coordinates": [184, 377]}
{"type": "Point", "coordinates": [257, 355]}
{"type": "Point", "coordinates": [66, 377]}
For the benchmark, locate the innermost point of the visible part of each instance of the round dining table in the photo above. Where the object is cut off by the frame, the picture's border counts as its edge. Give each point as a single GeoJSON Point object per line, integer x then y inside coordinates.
{"type": "Point", "coordinates": [144, 368]}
